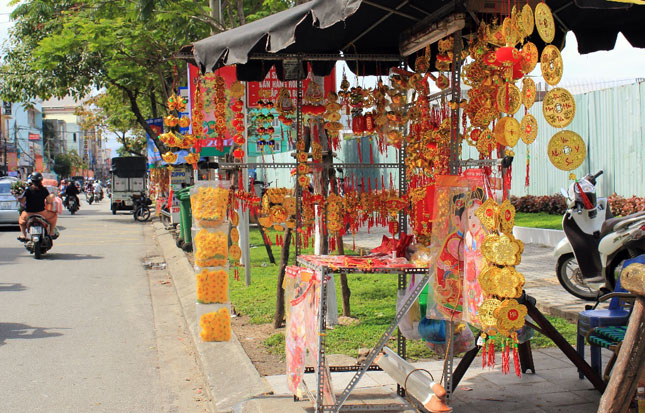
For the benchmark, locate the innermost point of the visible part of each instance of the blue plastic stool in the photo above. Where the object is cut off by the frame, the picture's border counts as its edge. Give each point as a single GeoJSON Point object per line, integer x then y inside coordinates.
{"type": "Point", "coordinates": [615, 315]}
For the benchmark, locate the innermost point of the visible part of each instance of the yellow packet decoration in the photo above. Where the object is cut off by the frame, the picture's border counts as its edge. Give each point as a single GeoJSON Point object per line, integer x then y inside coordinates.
{"type": "Point", "coordinates": [216, 326]}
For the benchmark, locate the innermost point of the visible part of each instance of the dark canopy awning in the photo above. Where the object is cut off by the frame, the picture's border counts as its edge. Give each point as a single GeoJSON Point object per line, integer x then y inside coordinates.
{"type": "Point", "coordinates": [374, 27]}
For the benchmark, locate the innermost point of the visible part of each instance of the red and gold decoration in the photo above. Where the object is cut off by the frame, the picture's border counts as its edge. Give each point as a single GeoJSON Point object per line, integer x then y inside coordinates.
{"type": "Point", "coordinates": [566, 150]}
{"type": "Point", "coordinates": [559, 107]}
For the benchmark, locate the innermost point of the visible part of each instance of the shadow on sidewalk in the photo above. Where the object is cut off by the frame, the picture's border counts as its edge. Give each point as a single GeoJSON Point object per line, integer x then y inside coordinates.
{"type": "Point", "coordinates": [12, 287]}
{"type": "Point", "coordinates": [17, 331]}
{"type": "Point", "coordinates": [71, 257]}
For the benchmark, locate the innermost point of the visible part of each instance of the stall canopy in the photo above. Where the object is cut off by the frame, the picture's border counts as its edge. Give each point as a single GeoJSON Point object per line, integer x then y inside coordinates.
{"type": "Point", "coordinates": [380, 30]}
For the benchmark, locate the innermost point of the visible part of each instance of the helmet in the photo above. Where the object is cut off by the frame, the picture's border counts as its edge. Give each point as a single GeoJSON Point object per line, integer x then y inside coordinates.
{"type": "Point", "coordinates": [36, 177]}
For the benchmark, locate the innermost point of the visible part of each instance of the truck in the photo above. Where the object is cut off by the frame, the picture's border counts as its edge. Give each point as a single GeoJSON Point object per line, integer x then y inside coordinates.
{"type": "Point", "coordinates": [128, 181]}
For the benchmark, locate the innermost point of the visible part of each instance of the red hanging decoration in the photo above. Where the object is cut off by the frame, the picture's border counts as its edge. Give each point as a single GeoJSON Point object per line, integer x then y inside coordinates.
{"type": "Point", "coordinates": [516, 361]}
{"type": "Point", "coordinates": [360, 155]}
{"type": "Point", "coordinates": [484, 354]}
{"type": "Point", "coordinates": [491, 353]}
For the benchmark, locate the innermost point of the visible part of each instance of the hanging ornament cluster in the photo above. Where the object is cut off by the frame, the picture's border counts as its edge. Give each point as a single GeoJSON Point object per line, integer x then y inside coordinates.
{"type": "Point", "coordinates": [177, 103]}
{"type": "Point", "coordinates": [332, 117]}
{"type": "Point", "coordinates": [237, 91]}
{"type": "Point", "coordinates": [234, 251]}
{"type": "Point", "coordinates": [278, 210]}
{"type": "Point", "coordinates": [500, 314]}
{"type": "Point", "coordinates": [219, 104]}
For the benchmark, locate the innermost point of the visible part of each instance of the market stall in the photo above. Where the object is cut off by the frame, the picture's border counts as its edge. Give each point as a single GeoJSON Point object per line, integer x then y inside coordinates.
{"type": "Point", "coordinates": [457, 209]}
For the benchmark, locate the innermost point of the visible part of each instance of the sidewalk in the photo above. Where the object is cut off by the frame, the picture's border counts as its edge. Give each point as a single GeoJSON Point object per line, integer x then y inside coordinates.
{"type": "Point", "coordinates": [236, 386]}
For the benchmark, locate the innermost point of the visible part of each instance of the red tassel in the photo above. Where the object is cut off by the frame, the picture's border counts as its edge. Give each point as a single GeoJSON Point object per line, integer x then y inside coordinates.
{"type": "Point", "coordinates": [484, 354]}
{"type": "Point", "coordinates": [360, 155]}
{"type": "Point", "coordinates": [516, 361]}
{"type": "Point", "coordinates": [491, 353]}
{"type": "Point", "coordinates": [236, 274]}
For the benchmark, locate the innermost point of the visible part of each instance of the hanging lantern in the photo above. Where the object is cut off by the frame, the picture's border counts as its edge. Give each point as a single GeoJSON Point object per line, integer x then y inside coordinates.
{"type": "Point", "coordinates": [369, 123]}
{"type": "Point", "coordinates": [239, 139]}
{"type": "Point", "coordinates": [358, 125]}
{"type": "Point", "coordinates": [508, 54]}
{"type": "Point", "coordinates": [238, 153]}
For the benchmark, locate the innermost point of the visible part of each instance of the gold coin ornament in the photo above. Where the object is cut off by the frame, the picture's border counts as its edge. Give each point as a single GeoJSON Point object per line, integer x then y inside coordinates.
{"type": "Point", "coordinates": [510, 316]}
{"type": "Point", "coordinates": [528, 129]}
{"type": "Point", "coordinates": [527, 21]}
{"type": "Point", "coordinates": [530, 57]}
{"type": "Point", "coordinates": [551, 65]}
{"type": "Point", "coordinates": [507, 131]}
{"type": "Point", "coordinates": [486, 312]}
{"type": "Point", "coordinates": [559, 107]}
{"type": "Point", "coordinates": [566, 150]}
{"type": "Point", "coordinates": [502, 249]}
{"type": "Point", "coordinates": [528, 92]}
{"type": "Point", "coordinates": [544, 22]}
{"type": "Point", "coordinates": [509, 98]}
{"type": "Point", "coordinates": [507, 217]}
{"type": "Point", "coordinates": [487, 214]}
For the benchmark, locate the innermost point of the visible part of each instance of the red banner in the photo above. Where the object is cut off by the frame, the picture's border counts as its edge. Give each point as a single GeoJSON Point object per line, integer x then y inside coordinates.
{"type": "Point", "coordinates": [34, 137]}
{"type": "Point", "coordinates": [269, 88]}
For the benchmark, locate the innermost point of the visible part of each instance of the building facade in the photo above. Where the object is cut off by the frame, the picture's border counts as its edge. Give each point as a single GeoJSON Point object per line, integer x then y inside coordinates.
{"type": "Point", "coordinates": [22, 146]}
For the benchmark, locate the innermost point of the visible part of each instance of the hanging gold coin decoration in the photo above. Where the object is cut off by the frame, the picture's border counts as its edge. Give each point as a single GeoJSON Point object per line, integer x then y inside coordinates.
{"type": "Point", "coordinates": [509, 98]}
{"type": "Point", "coordinates": [527, 22]}
{"type": "Point", "coordinates": [507, 131]}
{"type": "Point", "coordinates": [551, 65]}
{"type": "Point", "coordinates": [528, 92]}
{"type": "Point", "coordinates": [528, 128]}
{"type": "Point", "coordinates": [558, 107]}
{"type": "Point", "coordinates": [486, 312]}
{"type": "Point", "coordinates": [566, 150]}
{"type": "Point", "coordinates": [484, 117]}
{"type": "Point", "coordinates": [544, 22]}
{"type": "Point", "coordinates": [529, 57]}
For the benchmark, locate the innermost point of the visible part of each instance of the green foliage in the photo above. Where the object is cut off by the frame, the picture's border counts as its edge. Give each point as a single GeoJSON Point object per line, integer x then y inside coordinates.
{"type": "Point", "coordinates": [538, 220]}
{"type": "Point", "coordinates": [550, 204]}
{"type": "Point", "coordinates": [65, 163]}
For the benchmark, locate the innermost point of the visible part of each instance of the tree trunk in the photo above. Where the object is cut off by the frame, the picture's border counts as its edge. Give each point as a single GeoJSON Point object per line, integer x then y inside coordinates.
{"type": "Point", "coordinates": [344, 286]}
{"type": "Point", "coordinates": [240, 12]}
{"type": "Point", "coordinates": [153, 104]}
{"type": "Point", "coordinates": [278, 318]}
{"type": "Point", "coordinates": [134, 107]}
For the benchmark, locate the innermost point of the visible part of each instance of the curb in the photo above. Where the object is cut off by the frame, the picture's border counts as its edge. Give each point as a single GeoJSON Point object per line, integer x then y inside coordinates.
{"type": "Point", "coordinates": [230, 375]}
{"type": "Point", "coordinates": [541, 236]}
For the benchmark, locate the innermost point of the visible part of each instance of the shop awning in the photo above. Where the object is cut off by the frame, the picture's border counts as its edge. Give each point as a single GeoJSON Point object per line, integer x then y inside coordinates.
{"type": "Point", "coordinates": [375, 28]}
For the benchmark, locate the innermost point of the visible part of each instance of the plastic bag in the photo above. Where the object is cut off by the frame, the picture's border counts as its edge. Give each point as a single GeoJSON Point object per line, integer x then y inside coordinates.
{"type": "Point", "coordinates": [409, 324]}
{"type": "Point", "coordinates": [434, 332]}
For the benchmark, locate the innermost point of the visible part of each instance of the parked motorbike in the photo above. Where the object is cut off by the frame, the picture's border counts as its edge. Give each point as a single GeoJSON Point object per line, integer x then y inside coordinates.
{"type": "Point", "coordinates": [596, 244]}
{"type": "Point", "coordinates": [71, 203]}
{"type": "Point", "coordinates": [142, 207]}
{"type": "Point", "coordinates": [40, 240]}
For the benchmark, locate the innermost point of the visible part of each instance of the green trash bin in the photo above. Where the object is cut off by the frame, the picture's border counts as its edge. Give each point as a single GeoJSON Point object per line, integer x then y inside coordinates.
{"type": "Point", "coordinates": [186, 215]}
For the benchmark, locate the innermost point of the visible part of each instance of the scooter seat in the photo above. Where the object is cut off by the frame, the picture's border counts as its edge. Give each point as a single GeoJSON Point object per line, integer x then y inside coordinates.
{"type": "Point", "coordinates": [609, 225]}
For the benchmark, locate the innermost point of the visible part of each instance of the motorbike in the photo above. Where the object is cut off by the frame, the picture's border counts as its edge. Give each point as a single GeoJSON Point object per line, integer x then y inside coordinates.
{"type": "Point", "coordinates": [142, 207]}
{"type": "Point", "coordinates": [89, 197]}
{"type": "Point", "coordinates": [40, 240]}
{"type": "Point", "coordinates": [98, 195]}
{"type": "Point", "coordinates": [595, 243]}
{"type": "Point", "coordinates": [71, 203]}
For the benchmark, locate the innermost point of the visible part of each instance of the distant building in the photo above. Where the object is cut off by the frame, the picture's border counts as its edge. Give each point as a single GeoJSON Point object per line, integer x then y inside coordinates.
{"type": "Point", "coordinates": [21, 144]}
{"type": "Point", "coordinates": [63, 129]}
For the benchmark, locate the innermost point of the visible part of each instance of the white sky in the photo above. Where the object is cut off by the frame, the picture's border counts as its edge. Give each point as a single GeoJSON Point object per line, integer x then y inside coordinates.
{"type": "Point", "coordinates": [622, 63]}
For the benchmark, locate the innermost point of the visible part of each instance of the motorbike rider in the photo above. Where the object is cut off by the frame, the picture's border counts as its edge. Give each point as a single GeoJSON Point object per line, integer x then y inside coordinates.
{"type": "Point", "coordinates": [71, 192]}
{"type": "Point", "coordinates": [35, 198]}
{"type": "Point", "coordinates": [98, 190]}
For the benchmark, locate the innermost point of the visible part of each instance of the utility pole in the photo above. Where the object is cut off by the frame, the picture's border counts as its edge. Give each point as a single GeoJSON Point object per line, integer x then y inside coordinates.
{"type": "Point", "coordinates": [3, 137]}
{"type": "Point", "coordinates": [216, 11]}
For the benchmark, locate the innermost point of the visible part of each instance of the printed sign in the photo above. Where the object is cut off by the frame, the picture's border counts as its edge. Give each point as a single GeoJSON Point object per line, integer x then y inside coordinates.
{"type": "Point", "coordinates": [269, 88]}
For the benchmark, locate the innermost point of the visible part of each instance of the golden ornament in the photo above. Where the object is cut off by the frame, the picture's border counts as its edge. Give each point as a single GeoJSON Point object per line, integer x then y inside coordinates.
{"type": "Point", "coordinates": [530, 56]}
{"type": "Point", "coordinates": [528, 128]}
{"type": "Point", "coordinates": [486, 312]}
{"type": "Point", "coordinates": [551, 65]}
{"type": "Point", "coordinates": [502, 249]}
{"type": "Point", "coordinates": [486, 142]}
{"type": "Point", "coordinates": [566, 150]}
{"type": "Point", "coordinates": [506, 217]}
{"type": "Point", "coordinates": [484, 117]}
{"type": "Point", "coordinates": [544, 22]}
{"type": "Point", "coordinates": [235, 235]}
{"type": "Point", "coordinates": [237, 90]}
{"type": "Point", "coordinates": [509, 98]}
{"type": "Point", "coordinates": [487, 214]}
{"type": "Point", "coordinates": [510, 315]}
{"type": "Point", "coordinates": [507, 131]}
{"type": "Point", "coordinates": [526, 20]}
{"type": "Point", "coordinates": [528, 92]}
{"type": "Point", "coordinates": [559, 107]}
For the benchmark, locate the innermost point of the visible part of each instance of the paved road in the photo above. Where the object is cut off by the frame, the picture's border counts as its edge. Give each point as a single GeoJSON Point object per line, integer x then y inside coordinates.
{"type": "Point", "coordinates": [79, 330]}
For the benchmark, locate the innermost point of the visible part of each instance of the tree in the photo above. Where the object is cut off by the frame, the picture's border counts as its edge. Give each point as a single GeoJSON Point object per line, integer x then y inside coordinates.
{"type": "Point", "coordinates": [107, 114]}
{"type": "Point", "coordinates": [66, 163]}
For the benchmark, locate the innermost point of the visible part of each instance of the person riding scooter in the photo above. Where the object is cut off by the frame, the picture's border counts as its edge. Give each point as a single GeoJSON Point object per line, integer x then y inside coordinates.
{"type": "Point", "coordinates": [71, 193]}
{"type": "Point", "coordinates": [35, 198]}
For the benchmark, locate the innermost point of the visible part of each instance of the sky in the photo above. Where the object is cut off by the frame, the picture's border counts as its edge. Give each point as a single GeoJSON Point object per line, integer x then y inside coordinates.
{"type": "Point", "coordinates": [581, 72]}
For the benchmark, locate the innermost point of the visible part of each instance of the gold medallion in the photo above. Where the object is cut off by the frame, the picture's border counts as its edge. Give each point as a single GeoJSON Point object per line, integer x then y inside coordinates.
{"type": "Point", "coordinates": [502, 249]}
{"type": "Point", "coordinates": [507, 217]}
{"type": "Point", "coordinates": [507, 131]}
{"type": "Point", "coordinates": [486, 312]}
{"type": "Point", "coordinates": [484, 117]}
{"type": "Point", "coordinates": [559, 107]}
{"type": "Point", "coordinates": [566, 150]}
{"type": "Point", "coordinates": [510, 315]}
{"type": "Point", "coordinates": [544, 22]}
{"type": "Point", "coordinates": [551, 65]}
{"type": "Point", "coordinates": [528, 92]}
{"type": "Point", "coordinates": [487, 214]}
{"type": "Point", "coordinates": [529, 57]}
{"type": "Point", "coordinates": [527, 22]}
{"type": "Point", "coordinates": [509, 98]}
{"type": "Point", "coordinates": [528, 128]}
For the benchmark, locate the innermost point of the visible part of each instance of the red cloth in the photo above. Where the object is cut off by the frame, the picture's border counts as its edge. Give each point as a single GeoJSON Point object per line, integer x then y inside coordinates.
{"type": "Point", "coordinates": [392, 244]}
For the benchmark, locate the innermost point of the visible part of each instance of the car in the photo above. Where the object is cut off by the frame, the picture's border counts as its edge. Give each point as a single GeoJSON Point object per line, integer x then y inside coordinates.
{"type": "Point", "coordinates": [9, 206]}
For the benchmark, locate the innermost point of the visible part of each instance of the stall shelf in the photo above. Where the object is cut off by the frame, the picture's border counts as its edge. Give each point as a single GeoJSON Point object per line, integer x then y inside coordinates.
{"type": "Point", "coordinates": [362, 265]}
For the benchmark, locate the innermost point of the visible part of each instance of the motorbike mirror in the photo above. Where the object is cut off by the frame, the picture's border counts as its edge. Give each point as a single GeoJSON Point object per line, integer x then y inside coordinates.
{"type": "Point", "coordinates": [564, 193]}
